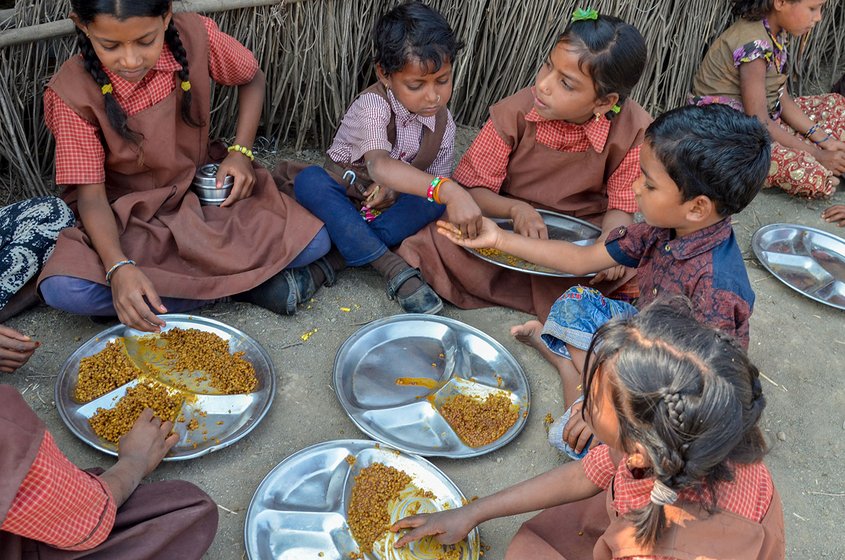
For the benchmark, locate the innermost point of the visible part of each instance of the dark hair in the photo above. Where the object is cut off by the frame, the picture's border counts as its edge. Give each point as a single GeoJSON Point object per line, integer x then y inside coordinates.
{"type": "Point", "coordinates": [413, 31]}
{"type": "Point", "coordinates": [87, 11]}
{"type": "Point", "coordinates": [755, 9]}
{"type": "Point", "coordinates": [613, 51]}
{"type": "Point", "coordinates": [684, 391]}
{"type": "Point", "coordinates": [713, 151]}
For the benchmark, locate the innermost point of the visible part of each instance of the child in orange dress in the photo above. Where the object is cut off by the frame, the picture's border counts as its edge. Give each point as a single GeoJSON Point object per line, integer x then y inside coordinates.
{"type": "Point", "coordinates": [680, 474]}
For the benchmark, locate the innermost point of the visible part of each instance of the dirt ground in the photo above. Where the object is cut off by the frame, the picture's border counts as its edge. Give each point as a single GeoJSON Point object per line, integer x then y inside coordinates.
{"type": "Point", "coordinates": [798, 344]}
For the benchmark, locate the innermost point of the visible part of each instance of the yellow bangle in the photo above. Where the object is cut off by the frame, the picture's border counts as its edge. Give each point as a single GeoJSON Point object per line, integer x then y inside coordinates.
{"type": "Point", "coordinates": [242, 149]}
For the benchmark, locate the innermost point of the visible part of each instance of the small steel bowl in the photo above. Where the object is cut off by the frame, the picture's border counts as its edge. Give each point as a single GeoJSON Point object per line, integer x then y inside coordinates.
{"type": "Point", "coordinates": [205, 185]}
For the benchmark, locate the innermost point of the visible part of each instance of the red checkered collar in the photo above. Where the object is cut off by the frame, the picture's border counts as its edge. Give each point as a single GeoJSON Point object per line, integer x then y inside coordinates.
{"type": "Point", "coordinates": [123, 88]}
{"type": "Point", "coordinates": [596, 130]}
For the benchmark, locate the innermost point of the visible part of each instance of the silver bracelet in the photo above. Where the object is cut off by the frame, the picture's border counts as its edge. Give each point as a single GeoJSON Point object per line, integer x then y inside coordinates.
{"type": "Point", "coordinates": [117, 265]}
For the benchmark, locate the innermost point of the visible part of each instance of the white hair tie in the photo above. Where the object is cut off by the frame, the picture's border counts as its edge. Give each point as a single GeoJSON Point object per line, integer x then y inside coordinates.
{"type": "Point", "coordinates": [662, 495]}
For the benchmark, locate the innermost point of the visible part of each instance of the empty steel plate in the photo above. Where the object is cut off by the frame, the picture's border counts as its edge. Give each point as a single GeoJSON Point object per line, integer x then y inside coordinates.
{"type": "Point", "coordinates": [299, 510]}
{"type": "Point", "coordinates": [560, 226]}
{"type": "Point", "coordinates": [222, 419]}
{"type": "Point", "coordinates": [443, 356]}
{"type": "Point", "coordinates": [808, 260]}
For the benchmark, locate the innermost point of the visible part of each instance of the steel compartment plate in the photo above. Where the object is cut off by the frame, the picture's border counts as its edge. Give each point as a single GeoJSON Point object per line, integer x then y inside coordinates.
{"type": "Point", "coordinates": [808, 260]}
{"type": "Point", "coordinates": [561, 227]}
{"type": "Point", "coordinates": [299, 510]}
{"type": "Point", "coordinates": [228, 417]}
{"type": "Point", "coordinates": [451, 355]}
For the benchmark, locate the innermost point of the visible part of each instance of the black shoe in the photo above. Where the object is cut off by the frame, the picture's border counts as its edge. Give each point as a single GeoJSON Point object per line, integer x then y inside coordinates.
{"type": "Point", "coordinates": [283, 292]}
{"type": "Point", "coordinates": [422, 300]}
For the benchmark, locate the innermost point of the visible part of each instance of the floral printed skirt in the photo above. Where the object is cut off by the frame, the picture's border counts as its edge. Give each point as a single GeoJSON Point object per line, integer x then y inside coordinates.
{"type": "Point", "coordinates": [798, 172]}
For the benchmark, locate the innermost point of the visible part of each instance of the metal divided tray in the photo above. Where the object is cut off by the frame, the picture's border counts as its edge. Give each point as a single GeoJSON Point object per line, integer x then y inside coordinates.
{"type": "Point", "coordinates": [561, 227]}
{"type": "Point", "coordinates": [299, 510]}
{"type": "Point", "coordinates": [451, 356]}
{"type": "Point", "coordinates": [227, 418]}
{"type": "Point", "coordinates": [808, 260]}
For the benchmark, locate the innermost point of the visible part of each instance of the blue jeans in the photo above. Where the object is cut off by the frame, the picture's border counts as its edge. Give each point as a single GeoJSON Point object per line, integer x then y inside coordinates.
{"type": "Point", "coordinates": [360, 242]}
{"type": "Point", "coordinates": [83, 297]}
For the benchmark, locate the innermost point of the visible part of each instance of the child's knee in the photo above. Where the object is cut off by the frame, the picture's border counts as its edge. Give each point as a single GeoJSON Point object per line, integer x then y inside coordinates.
{"type": "Point", "coordinates": [67, 293]}
{"type": "Point", "coordinates": [311, 184]}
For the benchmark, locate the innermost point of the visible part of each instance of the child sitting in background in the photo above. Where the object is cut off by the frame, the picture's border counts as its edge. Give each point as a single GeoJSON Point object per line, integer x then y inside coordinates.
{"type": "Point", "coordinates": [699, 166]}
{"type": "Point", "coordinates": [745, 68]}
{"type": "Point", "coordinates": [680, 474]}
{"type": "Point", "coordinates": [52, 510]}
{"type": "Point", "coordinates": [570, 144]}
{"type": "Point", "coordinates": [392, 154]}
{"type": "Point", "coordinates": [131, 115]}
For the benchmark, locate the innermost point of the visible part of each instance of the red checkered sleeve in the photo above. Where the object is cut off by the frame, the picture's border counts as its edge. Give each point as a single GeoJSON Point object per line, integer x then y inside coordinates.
{"type": "Point", "coordinates": [599, 467]}
{"type": "Point", "coordinates": [80, 157]}
{"type": "Point", "coordinates": [620, 194]}
{"type": "Point", "coordinates": [229, 62]}
{"type": "Point", "coordinates": [59, 504]}
{"type": "Point", "coordinates": [485, 163]}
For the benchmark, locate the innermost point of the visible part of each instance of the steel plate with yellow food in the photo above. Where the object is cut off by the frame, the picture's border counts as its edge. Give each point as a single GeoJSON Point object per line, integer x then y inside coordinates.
{"type": "Point", "coordinates": [559, 226]}
{"type": "Point", "coordinates": [212, 380]}
{"type": "Point", "coordinates": [335, 501]}
{"type": "Point", "coordinates": [432, 386]}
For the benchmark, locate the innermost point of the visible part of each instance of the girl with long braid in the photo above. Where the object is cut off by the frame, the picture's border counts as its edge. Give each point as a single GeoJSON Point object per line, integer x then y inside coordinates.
{"type": "Point", "coordinates": [130, 115]}
{"type": "Point", "coordinates": [680, 474]}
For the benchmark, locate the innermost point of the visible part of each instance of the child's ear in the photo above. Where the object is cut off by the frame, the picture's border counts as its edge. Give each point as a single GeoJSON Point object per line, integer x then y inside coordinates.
{"type": "Point", "coordinates": [700, 209]}
{"type": "Point", "coordinates": [380, 75]}
{"type": "Point", "coordinates": [639, 458]}
{"type": "Point", "coordinates": [77, 22]}
{"type": "Point", "coordinates": [167, 17]}
{"type": "Point", "coordinates": [606, 103]}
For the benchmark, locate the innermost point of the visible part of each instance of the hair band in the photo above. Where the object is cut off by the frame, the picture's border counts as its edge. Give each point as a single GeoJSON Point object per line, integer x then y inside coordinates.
{"type": "Point", "coordinates": [616, 109]}
{"type": "Point", "coordinates": [186, 85]}
{"type": "Point", "coordinates": [662, 495]}
{"type": "Point", "coordinates": [107, 88]}
{"type": "Point", "coordinates": [584, 15]}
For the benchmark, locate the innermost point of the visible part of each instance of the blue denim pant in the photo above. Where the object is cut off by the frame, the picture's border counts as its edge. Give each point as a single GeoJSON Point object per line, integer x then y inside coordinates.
{"type": "Point", "coordinates": [83, 297]}
{"type": "Point", "coordinates": [360, 242]}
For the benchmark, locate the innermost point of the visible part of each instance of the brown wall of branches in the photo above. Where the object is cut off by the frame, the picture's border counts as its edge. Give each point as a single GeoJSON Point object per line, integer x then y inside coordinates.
{"type": "Point", "coordinates": [316, 57]}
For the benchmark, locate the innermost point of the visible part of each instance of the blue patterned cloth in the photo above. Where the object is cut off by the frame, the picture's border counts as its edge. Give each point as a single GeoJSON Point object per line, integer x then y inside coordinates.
{"type": "Point", "coordinates": [28, 233]}
{"type": "Point", "coordinates": [577, 315]}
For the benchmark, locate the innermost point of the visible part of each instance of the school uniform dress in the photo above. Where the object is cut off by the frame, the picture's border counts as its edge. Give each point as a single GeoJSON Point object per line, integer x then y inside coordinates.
{"type": "Point", "coordinates": [376, 120]}
{"type": "Point", "coordinates": [747, 522]}
{"type": "Point", "coordinates": [580, 170]}
{"type": "Point", "coordinates": [52, 510]}
{"type": "Point", "coordinates": [717, 81]}
{"type": "Point", "coordinates": [28, 232]}
{"type": "Point", "coordinates": [189, 252]}
{"type": "Point", "coordinates": [705, 266]}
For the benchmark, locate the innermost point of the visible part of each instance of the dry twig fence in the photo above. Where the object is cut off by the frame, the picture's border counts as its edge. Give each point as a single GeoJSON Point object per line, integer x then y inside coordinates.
{"type": "Point", "coordinates": [316, 57]}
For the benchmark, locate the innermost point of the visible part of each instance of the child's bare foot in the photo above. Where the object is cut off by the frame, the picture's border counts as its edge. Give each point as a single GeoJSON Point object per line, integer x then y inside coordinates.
{"type": "Point", "coordinates": [529, 334]}
{"type": "Point", "coordinates": [835, 214]}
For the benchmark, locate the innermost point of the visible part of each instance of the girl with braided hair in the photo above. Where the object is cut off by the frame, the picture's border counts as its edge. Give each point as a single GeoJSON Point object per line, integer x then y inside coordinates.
{"type": "Point", "coordinates": [130, 115]}
{"type": "Point", "coordinates": [680, 474]}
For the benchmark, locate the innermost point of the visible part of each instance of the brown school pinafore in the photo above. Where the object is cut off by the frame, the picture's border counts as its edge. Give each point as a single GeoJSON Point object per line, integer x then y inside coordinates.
{"type": "Point", "coordinates": [186, 250]}
{"type": "Point", "coordinates": [573, 183]}
{"type": "Point", "coordinates": [286, 170]}
{"type": "Point", "coordinates": [592, 530]}
{"type": "Point", "coordinates": [170, 519]}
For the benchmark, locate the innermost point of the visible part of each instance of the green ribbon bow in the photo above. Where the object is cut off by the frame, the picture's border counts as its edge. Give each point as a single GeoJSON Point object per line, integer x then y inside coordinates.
{"type": "Point", "coordinates": [583, 15]}
{"type": "Point", "coordinates": [616, 109]}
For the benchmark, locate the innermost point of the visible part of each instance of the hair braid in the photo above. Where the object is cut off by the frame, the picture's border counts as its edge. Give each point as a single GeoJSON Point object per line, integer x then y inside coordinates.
{"type": "Point", "coordinates": [115, 113]}
{"type": "Point", "coordinates": [171, 37]}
